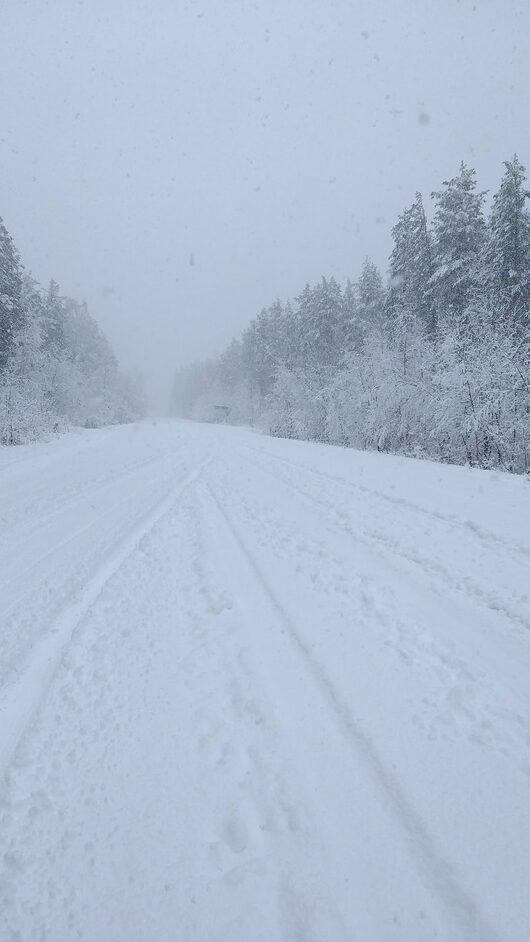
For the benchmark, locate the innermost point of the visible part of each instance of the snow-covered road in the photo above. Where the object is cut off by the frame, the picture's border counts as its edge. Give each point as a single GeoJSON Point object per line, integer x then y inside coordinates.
{"type": "Point", "coordinates": [258, 690]}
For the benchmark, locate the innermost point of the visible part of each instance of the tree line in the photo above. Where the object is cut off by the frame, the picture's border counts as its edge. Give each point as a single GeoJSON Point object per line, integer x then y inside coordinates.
{"type": "Point", "coordinates": [56, 366]}
{"type": "Point", "coordinates": [434, 361]}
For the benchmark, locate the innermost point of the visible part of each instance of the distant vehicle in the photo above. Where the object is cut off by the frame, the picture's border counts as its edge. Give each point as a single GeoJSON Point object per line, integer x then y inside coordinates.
{"type": "Point", "coordinates": [221, 413]}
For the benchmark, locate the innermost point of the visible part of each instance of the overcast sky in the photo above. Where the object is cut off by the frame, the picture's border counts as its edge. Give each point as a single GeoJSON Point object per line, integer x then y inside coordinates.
{"type": "Point", "coordinates": [179, 165]}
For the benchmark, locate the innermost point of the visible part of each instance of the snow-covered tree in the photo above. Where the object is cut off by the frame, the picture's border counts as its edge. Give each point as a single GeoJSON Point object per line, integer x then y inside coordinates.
{"type": "Point", "coordinates": [11, 312]}
{"type": "Point", "coordinates": [56, 366]}
{"type": "Point", "coordinates": [459, 238]}
{"type": "Point", "coordinates": [438, 365]}
{"type": "Point", "coordinates": [320, 323]}
{"type": "Point", "coordinates": [508, 248]}
{"type": "Point", "coordinates": [411, 269]}
{"type": "Point", "coordinates": [371, 299]}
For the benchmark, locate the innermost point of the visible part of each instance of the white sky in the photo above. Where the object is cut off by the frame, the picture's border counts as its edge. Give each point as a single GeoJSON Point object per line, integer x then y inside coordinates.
{"type": "Point", "coordinates": [267, 142]}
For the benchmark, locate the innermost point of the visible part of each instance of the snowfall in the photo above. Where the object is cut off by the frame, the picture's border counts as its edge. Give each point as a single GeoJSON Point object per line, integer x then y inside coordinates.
{"type": "Point", "coordinates": [257, 690]}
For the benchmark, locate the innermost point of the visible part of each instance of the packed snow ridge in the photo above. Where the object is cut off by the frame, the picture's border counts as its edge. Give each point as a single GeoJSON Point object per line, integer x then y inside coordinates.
{"type": "Point", "coordinates": [255, 689]}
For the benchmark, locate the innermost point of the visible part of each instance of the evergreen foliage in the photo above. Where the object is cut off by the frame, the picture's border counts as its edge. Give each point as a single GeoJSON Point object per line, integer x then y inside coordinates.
{"type": "Point", "coordinates": [508, 250]}
{"type": "Point", "coordinates": [56, 366]}
{"type": "Point", "coordinates": [435, 364]}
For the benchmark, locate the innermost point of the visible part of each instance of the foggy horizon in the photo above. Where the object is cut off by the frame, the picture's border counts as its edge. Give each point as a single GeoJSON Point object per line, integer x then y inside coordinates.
{"type": "Point", "coordinates": [181, 166]}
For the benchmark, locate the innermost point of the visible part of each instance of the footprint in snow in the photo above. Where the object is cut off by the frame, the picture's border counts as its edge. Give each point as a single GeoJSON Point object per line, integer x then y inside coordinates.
{"type": "Point", "coordinates": [233, 841]}
{"type": "Point", "coordinates": [235, 834]}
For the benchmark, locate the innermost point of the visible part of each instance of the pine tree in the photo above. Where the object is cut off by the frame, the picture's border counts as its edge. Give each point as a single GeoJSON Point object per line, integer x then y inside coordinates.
{"type": "Point", "coordinates": [320, 318]}
{"type": "Point", "coordinates": [290, 337]}
{"type": "Point", "coordinates": [24, 413]}
{"type": "Point", "coordinates": [459, 238]}
{"type": "Point", "coordinates": [54, 320]}
{"type": "Point", "coordinates": [508, 249]}
{"type": "Point", "coordinates": [11, 311]}
{"type": "Point", "coordinates": [88, 370]}
{"type": "Point", "coordinates": [350, 318]}
{"type": "Point", "coordinates": [411, 269]}
{"type": "Point", "coordinates": [371, 299]}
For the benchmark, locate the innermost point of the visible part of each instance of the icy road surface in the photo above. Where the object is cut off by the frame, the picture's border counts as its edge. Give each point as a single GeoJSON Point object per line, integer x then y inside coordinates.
{"type": "Point", "coordinates": [257, 690]}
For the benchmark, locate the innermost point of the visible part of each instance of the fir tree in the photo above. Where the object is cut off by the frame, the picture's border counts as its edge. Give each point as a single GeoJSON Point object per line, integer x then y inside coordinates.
{"type": "Point", "coordinates": [11, 311]}
{"type": "Point", "coordinates": [411, 269]}
{"type": "Point", "coordinates": [320, 318]}
{"type": "Point", "coordinates": [371, 299]}
{"type": "Point", "coordinates": [508, 250]}
{"type": "Point", "coordinates": [53, 320]}
{"type": "Point", "coordinates": [350, 318]}
{"type": "Point", "coordinates": [459, 238]}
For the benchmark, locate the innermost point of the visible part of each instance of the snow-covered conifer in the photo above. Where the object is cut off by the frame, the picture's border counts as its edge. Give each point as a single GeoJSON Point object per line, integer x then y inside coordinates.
{"type": "Point", "coordinates": [11, 312]}
{"type": "Point", "coordinates": [411, 269]}
{"type": "Point", "coordinates": [508, 249]}
{"type": "Point", "coordinates": [459, 238]}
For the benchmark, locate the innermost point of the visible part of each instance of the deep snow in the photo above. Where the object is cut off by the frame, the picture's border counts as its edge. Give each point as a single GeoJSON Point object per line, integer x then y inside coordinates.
{"type": "Point", "coordinates": [255, 689]}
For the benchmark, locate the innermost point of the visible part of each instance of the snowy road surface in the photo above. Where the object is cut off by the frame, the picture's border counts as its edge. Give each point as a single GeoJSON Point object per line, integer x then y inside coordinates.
{"type": "Point", "coordinates": [257, 690]}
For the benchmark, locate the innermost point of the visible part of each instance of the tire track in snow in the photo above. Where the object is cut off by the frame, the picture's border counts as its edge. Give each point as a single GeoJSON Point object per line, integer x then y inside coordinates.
{"type": "Point", "coordinates": [430, 862]}
{"type": "Point", "coordinates": [56, 548]}
{"type": "Point", "coordinates": [85, 492]}
{"type": "Point", "coordinates": [435, 570]}
{"type": "Point", "coordinates": [21, 696]}
{"type": "Point", "coordinates": [261, 834]}
{"type": "Point", "coordinates": [485, 537]}
{"type": "Point", "coordinates": [461, 700]}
